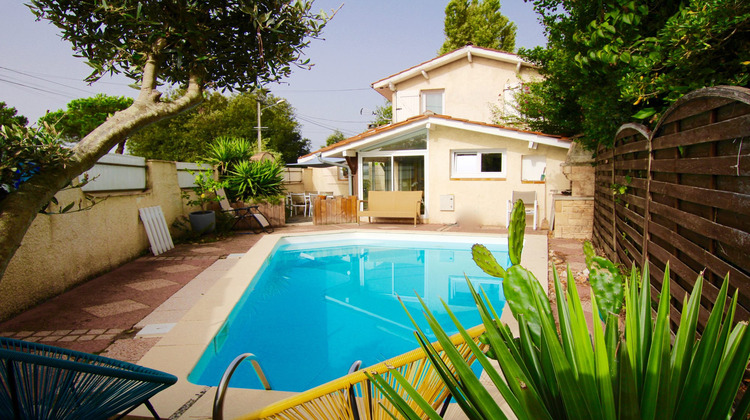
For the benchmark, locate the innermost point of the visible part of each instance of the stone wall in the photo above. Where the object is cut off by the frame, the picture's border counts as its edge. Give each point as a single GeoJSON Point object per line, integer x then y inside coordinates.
{"type": "Point", "coordinates": [574, 217]}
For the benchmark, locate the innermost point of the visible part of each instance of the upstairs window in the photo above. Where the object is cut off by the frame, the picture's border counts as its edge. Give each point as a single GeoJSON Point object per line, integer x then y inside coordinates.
{"type": "Point", "coordinates": [432, 100]}
{"type": "Point", "coordinates": [478, 164]}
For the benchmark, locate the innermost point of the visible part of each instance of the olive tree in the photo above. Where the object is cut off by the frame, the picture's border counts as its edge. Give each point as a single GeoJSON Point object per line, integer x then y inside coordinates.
{"type": "Point", "coordinates": [217, 44]}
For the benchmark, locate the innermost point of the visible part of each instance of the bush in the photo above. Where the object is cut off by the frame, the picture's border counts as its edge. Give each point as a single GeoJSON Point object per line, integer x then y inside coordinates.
{"type": "Point", "coordinates": [252, 180]}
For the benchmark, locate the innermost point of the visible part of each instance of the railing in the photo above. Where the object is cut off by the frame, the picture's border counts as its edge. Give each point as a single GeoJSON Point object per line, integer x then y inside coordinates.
{"type": "Point", "coordinates": [221, 390]}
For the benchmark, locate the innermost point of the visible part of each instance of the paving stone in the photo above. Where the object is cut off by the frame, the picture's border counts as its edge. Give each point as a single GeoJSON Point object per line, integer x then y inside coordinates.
{"type": "Point", "coordinates": [32, 339]}
{"type": "Point", "coordinates": [50, 338]}
{"type": "Point", "coordinates": [207, 250]}
{"type": "Point", "coordinates": [115, 331]}
{"type": "Point", "coordinates": [98, 331]}
{"type": "Point", "coordinates": [86, 337]}
{"type": "Point", "coordinates": [173, 269]}
{"type": "Point", "coordinates": [115, 308]}
{"type": "Point", "coordinates": [42, 333]}
{"type": "Point", "coordinates": [7, 334]}
{"type": "Point", "coordinates": [106, 337]}
{"type": "Point", "coordinates": [68, 338]}
{"type": "Point", "coordinates": [63, 332]}
{"type": "Point", "coordinates": [151, 284]}
{"type": "Point", "coordinates": [79, 332]}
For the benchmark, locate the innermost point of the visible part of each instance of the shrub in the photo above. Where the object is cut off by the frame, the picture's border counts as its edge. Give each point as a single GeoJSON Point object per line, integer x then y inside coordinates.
{"type": "Point", "coordinates": [251, 179]}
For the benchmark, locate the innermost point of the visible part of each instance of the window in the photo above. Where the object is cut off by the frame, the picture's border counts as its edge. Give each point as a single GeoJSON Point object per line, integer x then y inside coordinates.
{"type": "Point", "coordinates": [533, 168]}
{"type": "Point", "coordinates": [432, 100]}
{"type": "Point", "coordinates": [476, 164]}
{"type": "Point", "coordinates": [342, 173]}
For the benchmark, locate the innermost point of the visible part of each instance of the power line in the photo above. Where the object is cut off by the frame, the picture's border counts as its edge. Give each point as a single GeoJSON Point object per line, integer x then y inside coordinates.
{"type": "Point", "coordinates": [321, 90]}
{"type": "Point", "coordinates": [35, 88]}
{"type": "Point", "coordinates": [54, 76]}
{"type": "Point", "coordinates": [338, 121]}
{"type": "Point", "coordinates": [346, 132]}
{"type": "Point", "coordinates": [46, 80]}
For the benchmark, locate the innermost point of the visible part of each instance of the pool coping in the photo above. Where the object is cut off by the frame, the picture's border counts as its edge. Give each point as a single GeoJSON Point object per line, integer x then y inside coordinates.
{"type": "Point", "coordinates": [179, 350]}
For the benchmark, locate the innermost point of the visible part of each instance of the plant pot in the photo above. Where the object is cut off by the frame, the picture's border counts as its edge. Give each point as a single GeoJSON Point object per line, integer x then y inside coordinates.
{"type": "Point", "coordinates": [203, 221]}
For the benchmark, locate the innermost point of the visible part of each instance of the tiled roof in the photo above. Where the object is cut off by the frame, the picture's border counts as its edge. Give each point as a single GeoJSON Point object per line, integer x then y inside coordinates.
{"type": "Point", "coordinates": [390, 127]}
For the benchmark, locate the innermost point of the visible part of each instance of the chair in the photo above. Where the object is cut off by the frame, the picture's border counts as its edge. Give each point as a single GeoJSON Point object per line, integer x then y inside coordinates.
{"type": "Point", "coordinates": [353, 396]}
{"type": "Point", "coordinates": [529, 202]}
{"type": "Point", "coordinates": [299, 200]}
{"type": "Point", "coordinates": [44, 382]}
{"type": "Point", "coordinates": [248, 213]}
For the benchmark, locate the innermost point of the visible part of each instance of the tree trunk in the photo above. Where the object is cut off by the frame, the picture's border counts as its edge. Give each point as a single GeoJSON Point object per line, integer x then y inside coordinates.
{"type": "Point", "coordinates": [19, 209]}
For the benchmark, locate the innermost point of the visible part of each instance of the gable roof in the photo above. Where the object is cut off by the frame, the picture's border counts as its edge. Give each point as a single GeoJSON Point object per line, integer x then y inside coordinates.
{"type": "Point", "coordinates": [386, 132]}
{"type": "Point", "coordinates": [386, 85]}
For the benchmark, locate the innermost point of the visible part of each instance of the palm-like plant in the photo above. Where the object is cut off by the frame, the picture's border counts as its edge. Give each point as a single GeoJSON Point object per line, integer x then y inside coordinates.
{"type": "Point", "coordinates": [226, 152]}
{"type": "Point", "coordinates": [251, 179]}
{"type": "Point", "coordinates": [547, 373]}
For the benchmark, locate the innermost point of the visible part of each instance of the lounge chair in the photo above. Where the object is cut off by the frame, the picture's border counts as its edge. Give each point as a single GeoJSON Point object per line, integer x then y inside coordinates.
{"type": "Point", "coordinates": [529, 203]}
{"type": "Point", "coordinates": [248, 213]}
{"type": "Point", "coordinates": [353, 396]}
{"type": "Point", "coordinates": [44, 382]}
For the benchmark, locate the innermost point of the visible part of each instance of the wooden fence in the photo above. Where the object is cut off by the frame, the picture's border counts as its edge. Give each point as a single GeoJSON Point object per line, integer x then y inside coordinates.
{"type": "Point", "coordinates": [333, 210]}
{"type": "Point", "coordinates": [682, 194]}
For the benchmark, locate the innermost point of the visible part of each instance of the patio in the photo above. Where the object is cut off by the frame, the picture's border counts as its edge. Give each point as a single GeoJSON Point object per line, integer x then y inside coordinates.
{"type": "Point", "coordinates": [124, 313]}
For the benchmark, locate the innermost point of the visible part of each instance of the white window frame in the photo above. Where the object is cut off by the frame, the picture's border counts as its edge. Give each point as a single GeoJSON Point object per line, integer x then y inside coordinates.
{"type": "Point", "coordinates": [477, 164]}
{"type": "Point", "coordinates": [423, 100]}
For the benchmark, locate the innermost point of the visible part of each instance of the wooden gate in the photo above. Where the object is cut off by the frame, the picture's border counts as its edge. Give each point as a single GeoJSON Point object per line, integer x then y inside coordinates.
{"type": "Point", "coordinates": [334, 210]}
{"type": "Point", "coordinates": [682, 194]}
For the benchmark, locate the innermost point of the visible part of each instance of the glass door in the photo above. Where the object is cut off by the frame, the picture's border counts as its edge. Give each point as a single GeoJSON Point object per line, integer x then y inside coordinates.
{"type": "Point", "coordinates": [377, 175]}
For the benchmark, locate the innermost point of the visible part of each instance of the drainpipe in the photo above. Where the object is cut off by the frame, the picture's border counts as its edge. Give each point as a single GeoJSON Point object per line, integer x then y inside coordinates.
{"type": "Point", "coordinates": [340, 165]}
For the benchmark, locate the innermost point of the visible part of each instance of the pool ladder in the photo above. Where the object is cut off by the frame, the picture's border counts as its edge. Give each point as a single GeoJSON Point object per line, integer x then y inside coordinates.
{"type": "Point", "coordinates": [218, 412]}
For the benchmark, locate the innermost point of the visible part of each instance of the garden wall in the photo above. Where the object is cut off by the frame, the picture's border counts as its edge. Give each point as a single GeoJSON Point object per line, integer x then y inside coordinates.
{"type": "Point", "coordinates": [681, 194]}
{"type": "Point", "coordinates": [60, 251]}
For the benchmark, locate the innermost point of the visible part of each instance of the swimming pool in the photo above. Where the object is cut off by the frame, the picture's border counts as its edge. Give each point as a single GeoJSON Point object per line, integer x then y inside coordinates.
{"type": "Point", "coordinates": [320, 303]}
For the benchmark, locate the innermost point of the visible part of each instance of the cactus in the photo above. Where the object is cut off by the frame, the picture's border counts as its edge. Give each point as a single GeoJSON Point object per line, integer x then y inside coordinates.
{"type": "Point", "coordinates": [486, 261]}
{"type": "Point", "coordinates": [606, 282]}
{"type": "Point", "coordinates": [515, 232]}
{"type": "Point", "coordinates": [519, 287]}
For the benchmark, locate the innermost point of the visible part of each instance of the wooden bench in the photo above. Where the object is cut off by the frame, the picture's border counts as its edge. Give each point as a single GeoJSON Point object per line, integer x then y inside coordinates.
{"type": "Point", "coordinates": [402, 204]}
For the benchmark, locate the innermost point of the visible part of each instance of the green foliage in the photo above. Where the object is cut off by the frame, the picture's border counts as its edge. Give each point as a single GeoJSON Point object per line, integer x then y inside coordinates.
{"type": "Point", "coordinates": [609, 62]}
{"type": "Point", "coordinates": [188, 136]}
{"type": "Point", "coordinates": [231, 44]}
{"type": "Point", "coordinates": [9, 116]}
{"type": "Point", "coordinates": [82, 116]}
{"type": "Point", "coordinates": [205, 190]}
{"type": "Point", "coordinates": [226, 152]}
{"type": "Point", "coordinates": [606, 282]}
{"type": "Point", "coordinates": [334, 138]}
{"type": "Point", "coordinates": [256, 179]}
{"type": "Point", "coordinates": [25, 152]}
{"type": "Point", "coordinates": [477, 22]}
{"type": "Point", "coordinates": [383, 114]}
{"type": "Point", "coordinates": [570, 372]}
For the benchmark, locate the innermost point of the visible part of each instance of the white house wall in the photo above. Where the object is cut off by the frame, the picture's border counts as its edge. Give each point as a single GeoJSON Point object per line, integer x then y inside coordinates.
{"type": "Point", "coordinates": [471, 89]}
{"type": "Point", "coordinates": [484, 201]}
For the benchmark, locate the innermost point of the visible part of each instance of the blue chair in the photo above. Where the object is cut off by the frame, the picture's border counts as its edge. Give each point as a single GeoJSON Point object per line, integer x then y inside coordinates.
{"type": "Point", "coordinates": [44, 382]}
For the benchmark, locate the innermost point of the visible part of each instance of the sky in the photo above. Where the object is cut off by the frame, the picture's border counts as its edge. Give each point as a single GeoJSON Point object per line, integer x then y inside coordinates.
{"type": "Point", "coordinates": [365, 41]}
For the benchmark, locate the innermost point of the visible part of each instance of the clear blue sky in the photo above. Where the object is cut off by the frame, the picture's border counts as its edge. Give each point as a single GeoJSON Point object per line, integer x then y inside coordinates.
{"type": "Point", "coordinates": [366, 41]}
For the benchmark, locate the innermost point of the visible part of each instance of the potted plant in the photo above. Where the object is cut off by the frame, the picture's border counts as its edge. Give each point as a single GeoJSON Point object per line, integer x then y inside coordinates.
{"type": "Point", "coordinates": [204, 192]}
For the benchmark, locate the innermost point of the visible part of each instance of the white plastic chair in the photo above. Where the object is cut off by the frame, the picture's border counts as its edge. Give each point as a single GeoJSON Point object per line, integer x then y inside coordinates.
{"type": "Point", "coordinates": [529, 202]}
{"type": "Point", "coordinates": [298, 200]}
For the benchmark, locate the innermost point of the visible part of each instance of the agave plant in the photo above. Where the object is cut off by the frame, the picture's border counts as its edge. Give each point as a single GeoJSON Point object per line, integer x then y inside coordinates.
{"type": "Point", "coordinates": [251, 179]}
{"type": "Point", "coordinates": [574, 373]}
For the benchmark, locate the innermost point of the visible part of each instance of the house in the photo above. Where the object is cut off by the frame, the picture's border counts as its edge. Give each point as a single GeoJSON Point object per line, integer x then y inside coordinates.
{"type": "Point", "coordinates": [442, 141]}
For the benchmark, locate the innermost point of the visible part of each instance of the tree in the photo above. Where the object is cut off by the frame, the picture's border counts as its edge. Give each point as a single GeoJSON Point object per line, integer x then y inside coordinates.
{"type": "Point", "coordinates": [477, 22]}
{"type": "Point", "coordinates": [188, 136]}
{"type": "Point", "coordinates": [222, 44]}
{"type": "Point", "coordinates": [334, 138]}
{"type": "Point", "coordinates": [383, 114]}
{"type": "Point", "coordinates": [83, 115]}
{"type": "Point", "coordinates": [9, 116]}
{"type": "Point", "coordinates": [614, 61]}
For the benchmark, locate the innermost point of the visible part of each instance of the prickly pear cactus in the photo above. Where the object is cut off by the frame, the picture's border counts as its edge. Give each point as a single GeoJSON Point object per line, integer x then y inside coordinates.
{"type": "Point", "coordinates": [486, 261]}
{"type": "Point", "coordinates": [519, 287]}
{"type": "Point", "coordinates": [515, 232]}
{"type": "Point", "coordinates": [606, 282]}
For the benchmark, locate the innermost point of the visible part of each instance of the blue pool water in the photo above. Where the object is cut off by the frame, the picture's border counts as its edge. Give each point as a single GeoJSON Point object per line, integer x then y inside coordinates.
{"type": "Point", "coordinates": [316, 307]}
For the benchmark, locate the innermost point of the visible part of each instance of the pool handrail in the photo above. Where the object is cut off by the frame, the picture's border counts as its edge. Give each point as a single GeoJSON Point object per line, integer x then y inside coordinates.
{"type": "Point", "coordinates": [317, 402]}
{"type": "Point", "coordinates": [221, 390]}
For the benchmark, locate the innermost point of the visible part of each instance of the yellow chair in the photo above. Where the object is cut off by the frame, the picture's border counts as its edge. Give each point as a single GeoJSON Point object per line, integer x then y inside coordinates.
{"type": "Point", "coordinates": [354, 397]}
